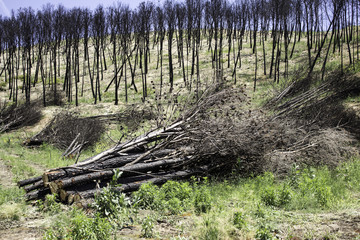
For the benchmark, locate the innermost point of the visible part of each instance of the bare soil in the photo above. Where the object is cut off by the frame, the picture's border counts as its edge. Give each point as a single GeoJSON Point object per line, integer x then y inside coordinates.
{"type": "Point", "coordinates": [29, 228]}
{"type": "Point", "coordinates": [5, 176]}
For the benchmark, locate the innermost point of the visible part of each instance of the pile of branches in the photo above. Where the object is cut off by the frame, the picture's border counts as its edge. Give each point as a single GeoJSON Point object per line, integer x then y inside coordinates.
{"type": "Point", "coordinates": [322, 106]}
{"type": "Point", "coordinates": [70, 132]}
{"type": "Point", "coordinates": [14, 117]}
{"type": "Point", "coordinates": [215, 136]}
{"type": "Point", "coordinates": [132, 116]}
{"type": "Point", "coordinates": [165, 153]}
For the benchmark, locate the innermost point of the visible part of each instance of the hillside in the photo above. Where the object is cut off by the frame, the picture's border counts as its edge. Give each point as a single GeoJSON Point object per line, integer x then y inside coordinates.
{"type": "Point", "coordinates": [265, 143]}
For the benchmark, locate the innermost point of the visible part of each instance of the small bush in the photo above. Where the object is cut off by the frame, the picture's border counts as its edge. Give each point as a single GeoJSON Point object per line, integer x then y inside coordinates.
{"type": "Point", "coordinates": [285, 195]}
{"type": "Point", "coordinates": [202, 200]}
{"type": "Point", "coordinates": [172, 189]}
{"type": "Point", "coordinates": [147, 227]}
{"type": "Point", "coordinates": [173, 205]}
{"type": "Point", "coordinates": [147, 196]}
{"type": "Point", "coordinates": [323, 195]}
{"type": "Point", "coordinates": [114, 205]}
{"type": "Point", "coordinates": [109, 203]}
{"type": "Point", "coordinates": [268, 196]}
{"type": "Point", "coordinates": [259, 212]}
{"type": "Point", "coordinates": [173, 197]}
{"type": "Point", "coordinates": [263, 233]}
{"type": "Point", "coordinates": [79, 227]}
{"type": "Point", "coordinates": [239, 220]}
{"type": "Point", "coordinates": [51, 205]}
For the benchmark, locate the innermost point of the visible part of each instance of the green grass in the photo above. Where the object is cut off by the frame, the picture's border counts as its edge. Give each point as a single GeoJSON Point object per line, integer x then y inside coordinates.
{"type": "Point", "coordinates": [28, 162]}
{"type": "Point", "coordinates": [265, 203]}
{"type": "Point", "coordinates": [13, 194]}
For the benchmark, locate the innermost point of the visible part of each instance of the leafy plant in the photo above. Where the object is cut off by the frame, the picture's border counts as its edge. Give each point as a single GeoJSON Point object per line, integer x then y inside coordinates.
{"type": "Point", "coordinates": [268, 196]}
{"type": "Point", "coordinates": [174, 197]}
{"type": "Point", "coordinates": [80, 226]}
{"type": "Point", "coordinates": [50, 204]}
{"type": "Point", "coordinates": [239, 220]}
{"type": "Point", "coordinates": [263, 233]}
{"type": "Point", "coordinates": [147, 227]}
{"type": "Point", "coordinates": [202, 200]}
{"type": "Point", "coordinates": [147, 196]}
{"type": "Point", "coordinates": [112, 204]}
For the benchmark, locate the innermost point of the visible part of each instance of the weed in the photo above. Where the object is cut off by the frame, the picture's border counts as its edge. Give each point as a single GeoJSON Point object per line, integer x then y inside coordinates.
{"type": "Point", "coordinates": [202, 200]}
{"type": "Point", "coordinates": [239, 220]}
{"type": "Point", "coordinates": [259, 212]}
{"type": "Point", "coordinates": [285, 195]}
{"type": "Point", "coordinates": [51, 205]}
{"type": "Point", "coordinates": [147, 196]}
{"type": "Point", "coordinates": [210, 230]}
{"type": "Point", "coordinates": [173, 205]}
{"type": "Point", "coordinates": [11, 210]}
{"type": "Point", "coordinates": [147, 227]}
{"type": "Point", "coordinates": [114, 205]}
{"type": "Point", "coordinates": [80, 226]}
{"type": "Point", "coordinates": [268, 196]}
{"type": "Point", "coordinates": [173, 197]}
{"type": "Point", "coordinates": [263, 233]}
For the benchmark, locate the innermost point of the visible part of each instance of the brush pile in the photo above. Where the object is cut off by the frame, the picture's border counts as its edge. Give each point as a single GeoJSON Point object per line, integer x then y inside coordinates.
{"type": "Point", "coordinates": [14, 117]}
{"type": "Point", "coordinates": [216, 136]}
{"type": "Point", "coordinates": [69, 132]}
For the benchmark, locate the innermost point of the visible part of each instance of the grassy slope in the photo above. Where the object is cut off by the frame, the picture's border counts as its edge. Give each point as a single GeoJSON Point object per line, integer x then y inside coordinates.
{"type": "Point", "coordinates": [314, 213]}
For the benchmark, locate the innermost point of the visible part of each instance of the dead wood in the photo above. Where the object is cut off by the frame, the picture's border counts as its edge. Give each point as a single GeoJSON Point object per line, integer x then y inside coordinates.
{"type": "Point", "coordinates": [216, 136]}
{"type": "Point", "coordinates": [67, 126]}
{"type": "Point", "coordinates": [14, 117]}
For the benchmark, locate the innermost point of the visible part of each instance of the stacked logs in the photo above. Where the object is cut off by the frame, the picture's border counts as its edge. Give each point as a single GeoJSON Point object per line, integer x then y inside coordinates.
{"type": "Point", "coordinates": [195, 144]}
{"type": "Point", "coordinates": [138, 162]}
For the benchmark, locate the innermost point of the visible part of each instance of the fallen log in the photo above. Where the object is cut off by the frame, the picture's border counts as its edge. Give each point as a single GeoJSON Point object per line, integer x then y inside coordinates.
{"type": "Point", "coordinates": [107, 174]}
{"type": "Point", "coordinates": [29, 181]}
{"type": "Point", "coordinates": [36, 185]}
{"type": "Point", "coordinates": [108, 162]}
{"type": "Point", "coordinates": [38, 194]}
{"type": "Point", "coordinates": [130, 187]}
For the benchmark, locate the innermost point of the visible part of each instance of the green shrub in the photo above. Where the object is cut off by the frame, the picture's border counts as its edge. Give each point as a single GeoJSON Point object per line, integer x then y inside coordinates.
{"type": "Point", "coordinates": [114, 205]}
{"type": "Point", "coordinates": [148, 196]}
{"type": "Point", "coordinates": [263, 233]}
{"type": "Point", "coordinates": [147, 227]}
{"type": "Point", "coordinates": [173, 197]}
{"type": "Point", "coordinates": [268, 196]}
{"type": "Point", "coordinates": [285, 195]}
{"type": "Point", "coordinates": [239, 220]}
{"type": "Point", "coordinates": [267, 179]}
{"type": "Point", "coordinates": [259, 212]}
{"type": "Point", "coordinates": [51, 205]}
{"type": "Point", "coordinates": [323, 195]}
{"type": "Point", "coordinates": [80, 227]}
{"type": "Point", "coordinates": [173, 189]}
{"type": "Point", "coordinates": [350, 173]}
{"type": "Point", "coordinates": [202, 200]}
{"type": "Point", "coordinates": [173, 205]}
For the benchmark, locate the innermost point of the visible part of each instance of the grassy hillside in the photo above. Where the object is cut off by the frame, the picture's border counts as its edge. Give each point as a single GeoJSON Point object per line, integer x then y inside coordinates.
{"type": "Point", "coordinates": [309, 203]}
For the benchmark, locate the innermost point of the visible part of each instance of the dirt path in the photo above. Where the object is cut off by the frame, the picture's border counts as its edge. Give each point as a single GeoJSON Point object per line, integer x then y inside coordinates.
{"type": "Point", "coordinates": [27, 229]}
{"type": "Point", "coordinates": [338, 225]}
{"type": "Point", "coordinates": [6, 177]}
